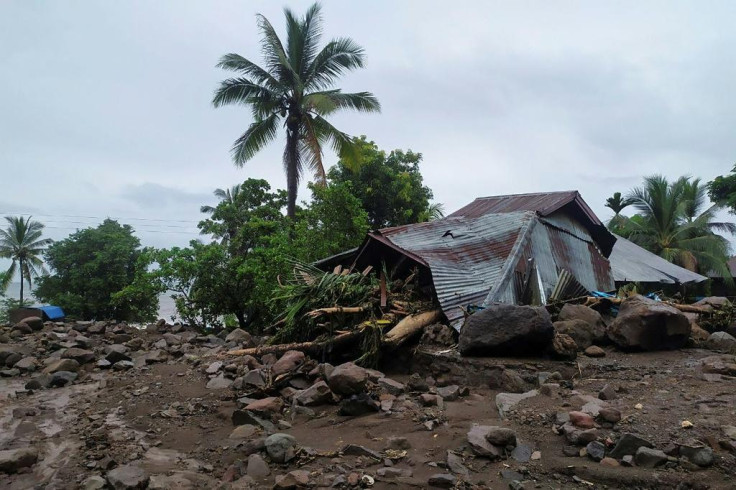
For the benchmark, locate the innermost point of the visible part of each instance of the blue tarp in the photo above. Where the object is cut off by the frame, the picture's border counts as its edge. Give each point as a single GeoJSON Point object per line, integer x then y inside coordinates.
{"type": "Point", "coordinates": [52, 312]}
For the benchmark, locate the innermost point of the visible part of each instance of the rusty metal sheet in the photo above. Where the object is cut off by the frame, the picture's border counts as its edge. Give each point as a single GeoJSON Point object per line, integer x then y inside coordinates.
{"type": "Point", "coordinates": [631, 263]}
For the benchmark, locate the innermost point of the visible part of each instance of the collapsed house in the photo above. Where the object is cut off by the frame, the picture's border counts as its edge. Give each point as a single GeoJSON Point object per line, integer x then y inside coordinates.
{"type": "Point", "coordinates": [517, 249]}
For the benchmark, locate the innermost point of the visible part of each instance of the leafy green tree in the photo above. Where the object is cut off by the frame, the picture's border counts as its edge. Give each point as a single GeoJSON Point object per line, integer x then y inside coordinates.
{"type": "Point", "coordinates": [672, 222]}
{"type": "Point", "coordinates": [722, 190]}
{"type": "Point", "coordinates": [93, 270]}
{"type": "Point", "coordinates": [229, 196]}
{"type": "Point", "coordinates": [389, 186]}
{"type": "Point", "coordinates": [294, 88]}
{"type": "Point", "coordinates": [21, 242]}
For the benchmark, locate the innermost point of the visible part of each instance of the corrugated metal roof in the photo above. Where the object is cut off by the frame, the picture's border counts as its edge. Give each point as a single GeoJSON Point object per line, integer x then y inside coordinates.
{"type": "Point", "coordinates": [631, 263]}
{"type": "Point", "coordinates": [465, 256]}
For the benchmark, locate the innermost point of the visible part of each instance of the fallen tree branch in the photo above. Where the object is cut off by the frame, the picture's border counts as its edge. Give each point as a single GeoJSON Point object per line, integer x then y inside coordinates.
{"type": "Point", "coordinates": [684, 308]}
{"type": "Point", "coordinates": [314, 347]}
{"type": "Point", "coordinates": [409, 326]}
{"type": "Point", "coordinates": [337, 309]}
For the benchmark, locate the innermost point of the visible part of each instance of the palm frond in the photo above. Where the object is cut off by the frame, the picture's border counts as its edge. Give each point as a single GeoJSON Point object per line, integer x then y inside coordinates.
{"type": "Point", "coordinates": [237, 63]}
{"type": "Point", "coordinates": [337, 57]}
{"type": "Point", "coordinates": [258, 135]}
{"type": "Point", "coordinates": [329, 101]}
{"type": "Point", "coordinates": [273, 51]}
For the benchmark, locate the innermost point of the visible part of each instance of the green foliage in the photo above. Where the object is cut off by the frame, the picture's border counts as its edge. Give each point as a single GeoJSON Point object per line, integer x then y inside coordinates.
{"type": "Point", "coordinates": [389, 186]}
{"type": "Point", "coordinates": [21, 242]}
{"type": "Point", "coordinates": [294, 89]}
{"type": "Point", "coordinates": [673, 222]}
{"type": "Point", "coordinates": [308, 288]}
{"type": "Point", "coordinates": [722, 190]}
{"type": "Point", "coordinates": [617, 203]}
{"type": "Point", "coordinates": [94, 272]}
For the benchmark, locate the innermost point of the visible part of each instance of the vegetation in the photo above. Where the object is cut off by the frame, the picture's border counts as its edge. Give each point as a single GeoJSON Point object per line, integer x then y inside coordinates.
{"type": "Point", "coordinates": [722, 190]}
{"type": "Point", "coordinates": [21, 242]}
{"type": "Point", "coordinates": [674, 222]}
{"type": "Point", "coordinates": [94, 271]}
{"type": "Point", "coordinates": [389, 186]}
{"type": "Point", "coordinates": [295, 87]}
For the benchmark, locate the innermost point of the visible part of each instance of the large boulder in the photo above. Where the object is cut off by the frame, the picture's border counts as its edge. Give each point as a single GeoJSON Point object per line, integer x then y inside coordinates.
{"type": "Point", "coordinates": [597, 327]}
{"type": "Point", "coordinates": [348, 379]}
{"type": "Point", "coordinates": [721, 341]}
{"type": "Point", "coordinates": [507, 330]}
{"type": "Point", "coordinates": [564, 347]}
{"type": "Point", "coordinates": [582, 332]}
{"type": "Point", "coordinates": [714, 302]}
{"type": "Point", "coordinates": [12, 460]}
{"type": "Point", "coordinates": [645, 324]}
{"type": "Point", "coordinates": [36, 323]}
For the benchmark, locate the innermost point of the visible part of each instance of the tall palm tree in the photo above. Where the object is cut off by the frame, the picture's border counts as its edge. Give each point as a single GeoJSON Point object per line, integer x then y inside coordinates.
{"type": "Point", "coordinates": [295, 87]}
{"type": "Point", "coordinates": [617, 203]}
{"type": "Point", "coordinates": [21, 242]}
{"type": "Point", "coordinates": [672, 223]}
{"type": "Point", "coordinates": [228, 196]}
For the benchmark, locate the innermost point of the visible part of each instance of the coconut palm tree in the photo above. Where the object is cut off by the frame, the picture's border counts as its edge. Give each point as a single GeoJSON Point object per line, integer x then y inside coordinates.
{"type": "Point", "coordinates": [617, 203]}
{"type": "Point", "coordinates": [672, 222]}
{"type": "Point", "coordinates": [228, 196]}
{"type": "Point", "coordinates": [295, 89]}
{"type": "Point", "coordinates": [21, 242]}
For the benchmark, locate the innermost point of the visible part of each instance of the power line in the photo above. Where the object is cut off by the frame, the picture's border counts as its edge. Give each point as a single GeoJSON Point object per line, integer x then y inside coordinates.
{"type": "Point", "coordinates": [137, 231]}
{"type": "Point", "coordinates": [7, 213]}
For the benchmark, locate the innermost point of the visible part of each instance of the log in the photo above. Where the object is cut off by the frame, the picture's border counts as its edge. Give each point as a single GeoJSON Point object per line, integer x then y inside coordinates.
{"type": "Point", "coordinates": [313, 347]}
{"type": "Point", "coordinates": [336, 309]}
{"type": "Point", "coordinates": [684, 308]}
{"type": "Point", "coordinates": [409, 326]}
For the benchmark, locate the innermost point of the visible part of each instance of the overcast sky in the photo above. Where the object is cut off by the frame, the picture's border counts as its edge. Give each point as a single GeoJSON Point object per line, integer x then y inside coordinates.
{"type": "Point", "coordinates": [105, 107]}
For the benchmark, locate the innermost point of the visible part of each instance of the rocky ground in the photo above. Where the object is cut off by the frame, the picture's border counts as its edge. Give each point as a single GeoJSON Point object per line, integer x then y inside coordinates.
{"type": "Point", "coordinates": [101, 405]}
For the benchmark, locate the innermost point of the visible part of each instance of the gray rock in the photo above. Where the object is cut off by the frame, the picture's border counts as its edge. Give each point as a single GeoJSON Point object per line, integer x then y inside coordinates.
{"type": "Point", "coordinates": [34, 322]}
{"type": "Point", "coordinates": [317, 394]}
{"type": "Point", "coordinates": [26, 364]}
{"type": "Point", "coordinates": [701, 456]}
{"type": "Point", "coordinates": [507, 330]}
{"type": "Point", "coordinates": [39, 382]}
{"type": "Point", "coordinates": [360, 404]}
{"type": "Point", "coordinates": [522, 453]}
{"type": "Point", "coordinates": [480, 444]}
{"type": "Point", "coordinates": [255, 377]}
{"type": "Point", "coordinates": [257, 467]}
{"type": "Point", "coordinates": [117, 352]}
{"type": "Point", "coordinates": [103, 364]}
{"type": "Point", "coordinates": [391, 386]}
{"type": "Point", "coordinates": [356, 450]}
{"type": "Point", "coordinates": [506, 401]}
{"type": "Point", "coordinates": [500, 436]}
{"type": "Point", "coordinates": [94, 482]}
{"type": "Point", "coordinates": [442, 480]}
{"type": "Point", "coordinates": [62, 365]}
{"type": "Point", "coordinates": [82, 356]}
{"type": "Point", "coordinates": [129, 476]}
{"type": "Point", "coordinates": [239, 336]}
{"type": "Point", "coordinates": [288, 362]}
{"type": "Point", "coordinates": [607, 393]}
{"type": "Point", "coordinates": [596, 450]}
{"type": "Point", "coordinates": [646, 324]}
{"type": "Point", "coordinates": [62, 378]}
{"type": "Point", "coordinates": [347, 379]}
{"type": "Point", "coordinates": [596, 330]}
{"type": "Point", "coordinates": [628, 444]}
{"type": "Point", "coordinates": [214, 367]}
{"type": "Point", "coordinates": [449, 393]}
{"type": "Point", "coordinates": [123, 365]}
{"type": "Point", "coordinates": [281, 448]}
{"type": "Point", "coordinates": [649, 458]}
{"type": "Point", "coordinates": [219, 383]}
{"type": "Point", "coordinates": [721, 341]}
{"type": "Point", "coordinates": [12, 460]}
{"type": "Point", "coordinates": [455, 464]}
{"type": "Point", "coordinates": [564, 347]}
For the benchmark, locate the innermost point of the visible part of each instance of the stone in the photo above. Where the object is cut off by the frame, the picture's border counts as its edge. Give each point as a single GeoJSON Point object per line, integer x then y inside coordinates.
{"type": "Point", "coordinates": [360, 404]}
{"type": "Point", "coordinates": [36, 323]}
{"type": "Point", "coordinates": [500, 436]}
{"type": "Point", "coordinates": [580, 331]}
{"type": "Point", "coordinates": [391, 386]}
{"type": "Point", "coordinates": [701, 456]}
{"type": "Point", "coordinates": [39, 382]}
{"type": "Point", "coordinates": [347, 379]}
{"type": "Point", "coordinates": [607, 393]}
{"type": "Point", "coordinates": [609, 414]}
{"type": "Point", "coordinates": [449, 393]}
{"type": "Point", "coordinates": [214, 367]}
{"type": "Point", "coordinates": [156, 355]}
{"type": "Point", "coordinates": [22, 328]}
{"type": "Point", "coordinates": [442, 480]}
{"type": "Point", "coordinates": [62, 365]}
{"type": "Point", "coordinates": [12, 460]}
{"type": "Point", "coordinates": [729, 431]}
{"type": "Point", "coordinates": [243, 417]}
{"type": "Point", "coordinates": [597, 327]}
{"type": "Point", "coordinates": [257, 467]}
{"type": "Point", "coordinates": [255, 377]}
{"type": "Point", "coordinates": [596, 450]}
{"type": "Point", "coordinates": [564, 347]}
{"type": "Point", "coordinates": [62, 378]}
{"type": "Point", "coordinates": [281, 448]}
{"type": "Point", "coordinates": [506, 401]}
{"type": "Point", "coordinates": [94, 482]}
{"type": "Point", "coordinates": [317, 394]}
{"type": "Point", "coordinates": [698, 335]}
{"type": "Point", "coordinates": [429, 400]}
{"type": "Point", "coordinates": [480, 445]}
{"type": "Point", "coordinates": [594, 351]}
{"type": "Point", "coordinates": [116, 353]}
{"type": "Point", "coordinates": [610, 462]}
{"type": "Point", "coordinates": [293, 479]}
{"type": "Point", "coordinates": [219, 383]}
{"type": "Point", "coordinates": [130, 476]}
{"type": "Point", "coordinates": [714, 302]}
{"type": "Point", "coordinates": [266, 406]}
{"type": "Point", "coordinates": [356, 450]}
{"type": "Point", "coordinates": [26, 364]}
{"type": "Point", "coordinates": [389, 472]}
{"type": "Point", "coordinates": [455, 464]}
{"type": "Point", "coordinates": [649, 458]}
{"type": "Point", "coordinates": [646, 324]}
{"type": "Point", "coordinates": [103, 364]}
{"type": "Point", "coordinates": [507, 330]}
{"type": "Point", "coordinates": [578, 436]}
{"type": "Point", "coordinates": [521, 453]}
{"type": "Point", "coordinates": [287, 363]}
{"type": "Point", "coordinates": [398, 442]}
{"type": "Point", "coordinates": [244, 431]}
{"type": "Point", "coordinates": [123, 365]}
{"type": "Point", "coordinates": [628, 444]}
{"type": "Point", "coordinates": [721, 341]}
{"type": "Point", "coordinates": [82, 356]}
{"type": "Point", "coordinates": [239, 336]}
{"type": "Point", "coordinates": [507, 380]}
{"type": "Point", "coordinates": [172, 339]}
{"type": "Point", "coordinates": [582, 420]}
{"type": "Point", "coordinates": [719, 365]}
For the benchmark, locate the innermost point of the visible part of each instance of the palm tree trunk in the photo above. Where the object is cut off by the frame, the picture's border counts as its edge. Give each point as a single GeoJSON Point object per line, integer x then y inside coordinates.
{"type": "Point", "coordinates": [21, 282]}
{"type": "Point", "coordinates": [291, 162]}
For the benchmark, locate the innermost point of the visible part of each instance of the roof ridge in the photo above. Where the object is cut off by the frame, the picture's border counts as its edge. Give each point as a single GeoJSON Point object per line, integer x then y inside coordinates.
{"type": "Point", "coordinates": [529, 194]}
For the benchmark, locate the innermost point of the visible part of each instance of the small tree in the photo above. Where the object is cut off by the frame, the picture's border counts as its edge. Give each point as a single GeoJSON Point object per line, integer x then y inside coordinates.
{"type": "Point", "coordinates": [93, 270]}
